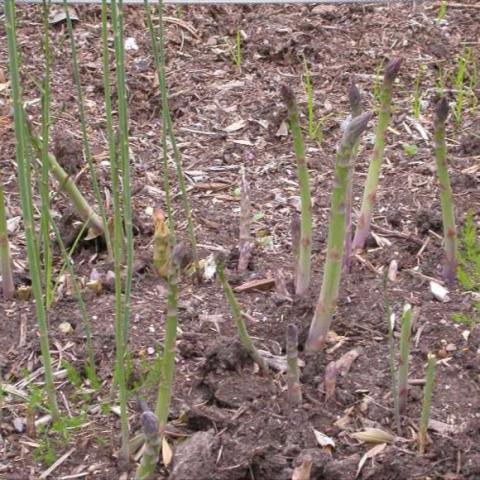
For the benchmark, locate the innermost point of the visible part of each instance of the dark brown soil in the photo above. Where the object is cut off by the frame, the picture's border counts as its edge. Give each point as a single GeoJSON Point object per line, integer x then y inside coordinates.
{"type": "Point", "coordinates": [228, 421]}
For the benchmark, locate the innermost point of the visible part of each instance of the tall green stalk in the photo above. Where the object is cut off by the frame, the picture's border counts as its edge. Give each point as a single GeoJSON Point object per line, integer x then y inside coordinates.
{"type": "Point", "coordinates": [371, 184]}
{"type": "Point", "coordinates": [242, 331]}
{"type": "Point", "coordinates": [83, 123]}
{"type": "Point", "coordinates": [8, 287]}
{"type": "Point", "coordinates": [44, 191]}
{"type": "Point", "coordinates": [302, 280]}
{"type": "Point", "coordinates": [122, 321]}
{"type": "Point", "coordinates": [446, 196]}
{"type": "Point", "coordinates": [327, 301]}
{"type": "Point", "coordinates": [427, 403]}
{"type": "Point", "coordinates": [27, 205]}
{"type": "Point", "coordinates": [356, 110]}
{"type": "Point", "coordinates": [403, 364]}
{"type": "Point", "coordinates": [159, 58]}
{"type": "Point", "coordinates": [167, 127]}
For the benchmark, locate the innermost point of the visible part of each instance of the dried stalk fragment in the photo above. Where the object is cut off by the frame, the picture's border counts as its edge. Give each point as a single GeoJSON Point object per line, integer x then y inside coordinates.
{"type": "Point", "coordinates": [245, 241]}
{"type": "Point", "coordinates": [293, 372]}
{"type": "Point", "coordinates": [446, 196]}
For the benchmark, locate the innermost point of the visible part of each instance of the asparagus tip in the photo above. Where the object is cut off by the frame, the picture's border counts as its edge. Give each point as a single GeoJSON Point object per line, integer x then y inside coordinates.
{"type": "Point", "coordinates": [354, 96]}
{"type": "Point", "coordinates": [149, 423]}
{"type": "Point", "coordinates": [392, 69]}
{"type": "Point", "coordinates": [288, 96]}
{"type": "Point", "coordinates": [441, 110]}
{"type": "Point", "coordinates": [356, 127]}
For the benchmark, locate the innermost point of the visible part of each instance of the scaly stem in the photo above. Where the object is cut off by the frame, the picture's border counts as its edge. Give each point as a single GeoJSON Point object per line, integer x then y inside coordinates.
{"type": "Point", "coordinates": [236, 312]}
{"type": "Point", "coordinates": [427, 403]}
{"type": "Point", "coordinates": [327, 301]}
{"type": "Point", "coordinates": [150, 427]}
{"type": "Point", "coordinates": [8, 286]}
{"type": "Point", "coordinates": [27, 205]}
{"type": "Point", "coordinates": [83, 123]}
{"type": "Point", "coordinates": [371, 184]}
{"type": "Point", "coordinates": [404, 353]}
{"type": "Point", "coordinates": [302, 280]}
{"type": "Point", "coordinates": [356, 110]}
{"type": "Point", "coordinates": [446, 196]}
{"type": "Point", "coordinates": [294, 388]}
{"type": "Point", "coordinates": [168, 360]}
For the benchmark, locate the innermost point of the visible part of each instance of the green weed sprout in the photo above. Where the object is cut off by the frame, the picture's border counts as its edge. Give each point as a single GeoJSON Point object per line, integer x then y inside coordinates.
{"type": "Point", "coordinates": [237, 53]}
{"type": "Point", "coordinates": [442, 11]}
{"type": "Point", "coordinates": [356, 110]}
{"type": "Point", "coordinates": [446, 196]}
{"type": "Point", "coordinates": [23, 174]}
{"type": "Point", "coordinates": [8, 286]}
{"type": "Point", "coordinates": [405, 338]}
{"type": "Point", "coordinates": [371, 184]}
{"type": "Point", "coordinates": [294, 388]}
{"type": "Point", "coordinates": [150, 427]}
{"type": "Point", "coordinates": [427, 403]}
{"type": "Point", "coordinates": [336, 235]}
{"type": "Point", "coordinates": [236, 312]}
{"type": "Point", "coordinates": [303, 272]}
{"type": "Point", "coordinates": [313, 127]}
{"type": "Point", "coordinates": [417, 94]}
{"type": "Point", "coordinates": [459, 84]}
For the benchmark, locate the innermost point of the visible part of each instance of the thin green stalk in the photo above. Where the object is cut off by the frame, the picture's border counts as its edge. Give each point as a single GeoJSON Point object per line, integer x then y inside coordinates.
{"type": "Point", "coordinates": [85, 139]}
{"type": "Point", "coordinates": [446, 196]}
{"type": "Point", "coordinates": [168, 127]}
{"type": "Point", "coordinates": [294, 388]}
{"type": "Point", "coordinates": [302, 281]}
{"type": "Point", "coordinates": [150, 427]}
{"type": "Point", "coordinates": [427, 403]}
{"type": "Point", "coordinates": [371, 184]}
{"type": "Point", "coordinates": [158, 58]}
{"type": "Point", "coordinates": [27, 205]}
{"type": "Point", "coordinates": [327, 301]}
{"type": "Point", "coordinates": [122, 321]}
{"type": "Point", "coordinates": [403, 364]}
{"type": "Point", "coordinates": [236, 312]}
{"type": "Point", "coordinates": [87, 326]}
{"type": "Point", "coordinates": [356, 110]}
{"type": "Point", "coordinates": [168, 359]}
{"type": "Point", "coordinates": [391, 350]}
{"type": "Point", "coordinates": [8, 286]}
{"type": "Point", "coordinates": [44, 193]}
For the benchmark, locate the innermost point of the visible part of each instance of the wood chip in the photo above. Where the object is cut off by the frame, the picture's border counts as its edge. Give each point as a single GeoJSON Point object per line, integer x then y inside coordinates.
{"type": "Point", "coordinates": [257, 284]}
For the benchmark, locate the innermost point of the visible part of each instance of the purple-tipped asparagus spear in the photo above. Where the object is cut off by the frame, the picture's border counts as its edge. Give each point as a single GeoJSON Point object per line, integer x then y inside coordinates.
{"type": "Point", "coordinates": [371, 184]}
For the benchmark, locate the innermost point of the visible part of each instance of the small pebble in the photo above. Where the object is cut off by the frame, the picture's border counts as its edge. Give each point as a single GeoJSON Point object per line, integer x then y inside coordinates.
{"type": "Point", "coordinates": [19, 424]}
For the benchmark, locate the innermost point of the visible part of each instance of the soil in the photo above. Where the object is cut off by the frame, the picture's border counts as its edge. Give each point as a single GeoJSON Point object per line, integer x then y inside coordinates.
{"type": "Point", "coordinates": [228, 421]}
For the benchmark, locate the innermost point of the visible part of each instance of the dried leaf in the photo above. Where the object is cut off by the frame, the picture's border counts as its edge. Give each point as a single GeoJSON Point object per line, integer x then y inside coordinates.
{"type": "Point", "coordinates": [59, 15]}
{"type": "Point", "coordinates": [344, 363]}
{"type": "Point", "coordinates": [373, 435]}
{"type": "Point", "coordinates": [302, 472]}
{"type": "Point", "coordinates": [376, 450]}
{"type": "Point", "coordinates": [167, 454]}
{"type": "Point", "coordinates": [323, 440]}
{"type": "Point", "coordinates": [209, 267]}
{"type": "Point", "coordinates": [238, 125]}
